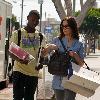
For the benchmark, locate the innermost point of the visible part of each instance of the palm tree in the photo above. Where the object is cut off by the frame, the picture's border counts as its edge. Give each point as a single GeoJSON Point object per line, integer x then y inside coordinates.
{"type": "Point", "coordinates": [84, 9]}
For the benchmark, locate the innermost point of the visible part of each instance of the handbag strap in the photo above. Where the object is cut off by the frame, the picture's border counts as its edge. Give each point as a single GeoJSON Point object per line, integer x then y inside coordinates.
{"type": "Point", "coordinates": [66, 50]}
{"type": "Point", "coordinates": [62, 44]}
{"type": "Point", "coordinates": [86, 65]}
{"type": "Point", "coordinates": [19, 36]}
{"type": "Point", "coordinates": [83, 61]}
{"type": "Point", "coordinates": [90, 69]}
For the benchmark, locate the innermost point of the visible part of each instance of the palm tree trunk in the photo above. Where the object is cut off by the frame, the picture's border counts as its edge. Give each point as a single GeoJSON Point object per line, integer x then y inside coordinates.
{"type": "Point", "coordinates": [81, 4]}
{"type": "Point", "coordinates": [68, 4]}
{"type": "Point", "coordinates": [59, 8]}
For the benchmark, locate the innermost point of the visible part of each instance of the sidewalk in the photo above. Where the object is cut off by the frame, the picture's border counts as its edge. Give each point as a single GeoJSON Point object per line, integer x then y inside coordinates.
{"type": "Point", "coordinates": [6, 94]}
{"type": "Point", "coordinates": [92, 60]}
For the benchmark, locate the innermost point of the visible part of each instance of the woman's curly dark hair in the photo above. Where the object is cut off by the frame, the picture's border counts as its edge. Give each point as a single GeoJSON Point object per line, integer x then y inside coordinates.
{"type": "Point", "coordinates": [73, 25]}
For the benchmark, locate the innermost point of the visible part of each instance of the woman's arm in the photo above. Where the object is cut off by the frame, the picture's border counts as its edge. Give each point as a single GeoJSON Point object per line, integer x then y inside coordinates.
{"type": "Point", "coordinates": [77, 58]}
{"type": "Point", "coordinates": [49, 48]}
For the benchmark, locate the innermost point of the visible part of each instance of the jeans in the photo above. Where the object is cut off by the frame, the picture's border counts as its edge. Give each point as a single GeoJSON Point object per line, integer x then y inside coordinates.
{"type": "Point", "coordinates": [64, 94]}
{"type": "Point", "coordinates": [24, 86]}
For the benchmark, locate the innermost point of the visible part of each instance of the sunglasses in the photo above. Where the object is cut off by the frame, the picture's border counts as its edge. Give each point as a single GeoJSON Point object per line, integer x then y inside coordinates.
{"type": "Point", "coordinates": [65, 26]}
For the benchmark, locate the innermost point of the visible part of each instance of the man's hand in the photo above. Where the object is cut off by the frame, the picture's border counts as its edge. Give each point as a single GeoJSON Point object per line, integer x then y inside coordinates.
{"type": "Point", "coordinates": [24, 61]}
{"type": "Point", "coordinates": [40, 66]}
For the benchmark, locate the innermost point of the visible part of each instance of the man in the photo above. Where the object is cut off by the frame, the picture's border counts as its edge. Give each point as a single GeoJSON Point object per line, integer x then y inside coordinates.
{"type": "Point", "coordinates": [25, 77]}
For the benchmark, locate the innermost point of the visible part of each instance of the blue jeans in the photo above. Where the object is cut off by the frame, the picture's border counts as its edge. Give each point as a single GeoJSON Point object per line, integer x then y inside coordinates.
{"type": "Point", "coordinates": [64, 94]}
{"type": "Point", "coordinates": [24, 86]}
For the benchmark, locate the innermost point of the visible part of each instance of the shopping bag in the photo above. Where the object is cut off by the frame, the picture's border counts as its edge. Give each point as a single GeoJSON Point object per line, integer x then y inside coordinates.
{"type": "Point", "coordinates": [19, 54]}
{"type": "Point", "coordinates": [83, 81]}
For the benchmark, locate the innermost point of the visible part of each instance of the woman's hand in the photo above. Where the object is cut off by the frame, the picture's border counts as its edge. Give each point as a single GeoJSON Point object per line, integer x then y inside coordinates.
{"type": "Point", "coordinates": [76, 57]}
{"type": "Point", "coordinates": [72, 53]}
{"type": "Point", "coordinates": [49, 48]}
{"type": "Point", "coordinates": [24, 61]}
{"type": "Point", "coordinates": [53, 47]}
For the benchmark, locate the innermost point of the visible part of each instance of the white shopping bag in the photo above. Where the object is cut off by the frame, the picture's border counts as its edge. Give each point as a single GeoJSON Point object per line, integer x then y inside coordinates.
{"type": "Point", "coordinates": [83, 81]}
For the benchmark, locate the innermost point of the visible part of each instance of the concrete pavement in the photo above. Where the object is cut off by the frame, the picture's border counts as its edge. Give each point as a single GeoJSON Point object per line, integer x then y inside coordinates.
{"type": "Point", "coordinates": [93, 60]}
{"type": "Point", "coordinates": [6, 94]}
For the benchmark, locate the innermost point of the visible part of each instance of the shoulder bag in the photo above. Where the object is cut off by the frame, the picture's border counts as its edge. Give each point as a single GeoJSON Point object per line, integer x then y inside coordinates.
{"type": "Point", "coordinates": [58, 62]}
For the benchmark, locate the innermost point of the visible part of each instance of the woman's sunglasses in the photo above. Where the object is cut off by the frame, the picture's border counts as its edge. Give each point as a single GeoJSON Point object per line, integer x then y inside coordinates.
{"type": "Point", "coordinates": [65, 26]}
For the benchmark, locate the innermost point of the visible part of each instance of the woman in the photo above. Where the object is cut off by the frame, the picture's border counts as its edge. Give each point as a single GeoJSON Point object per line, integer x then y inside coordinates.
{"type": "Point", "coordinates": [70, 37]}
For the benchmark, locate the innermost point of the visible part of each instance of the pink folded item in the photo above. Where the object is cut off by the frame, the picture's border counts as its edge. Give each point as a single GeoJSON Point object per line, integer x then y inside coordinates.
{"type": "Point", "coordinates": [18, 53]}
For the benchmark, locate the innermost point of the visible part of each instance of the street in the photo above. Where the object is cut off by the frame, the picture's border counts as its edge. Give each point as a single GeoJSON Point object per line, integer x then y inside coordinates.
{"type": "Point", "coordinates": [93, 61]}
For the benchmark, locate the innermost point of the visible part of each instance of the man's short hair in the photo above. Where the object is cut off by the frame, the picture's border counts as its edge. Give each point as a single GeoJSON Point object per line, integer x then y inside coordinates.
{"type": "Point", "coordinates": [34, 12]}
